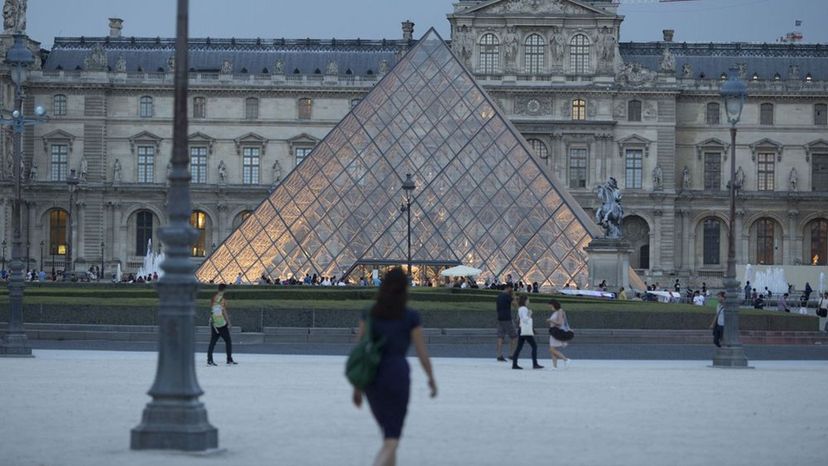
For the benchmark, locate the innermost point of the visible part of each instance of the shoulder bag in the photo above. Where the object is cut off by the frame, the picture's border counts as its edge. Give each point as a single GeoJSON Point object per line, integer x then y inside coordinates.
{"type": "Point", "coordinates": [364, 359]}
{"type": "Point", "coordinates": [823, 308]}
{"type": "Point", "coordinates": [562, 334]}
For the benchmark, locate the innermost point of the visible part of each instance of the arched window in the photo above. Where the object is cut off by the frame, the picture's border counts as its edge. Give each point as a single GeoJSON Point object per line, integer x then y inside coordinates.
{"type": "Point", "coordinates": [765, 241]}
{"type": "Point", "coordinates": [57, 231]}
{"type": "Point", "coordinates": [713, 113]}
{"type": "Point", "coordinates": [143, 232]}
{"type": "Point", "coordinates": [198, 220]}
{"type": "Point", "coordinates": [534, 54]}
{"type": "Point", "coordinates": [305, 108]}
{"type": "Point", "coordinates": [712, 242]}
{"type": "Point", "coordinates": [251, 108]}
{"type": "Point", "coordinates": [818, 232]}
{"type": "Point", "coordinates": [145, 109]}
{"type": "Point", "coordinates": [489, 54]}
{"type": "Point", "coordinates": [579, 54]}
{"type": "Point", "coordinates": [241, 218]}
{"type": "Point", "coordinates": [644, 257]}
{"type": "Point", "coordinates": [199, 107]}
{"type": "Point", "coordinates": [539, 148]}
{"type": "Point", "coordinates": [59, 105]}
{"type": "Point", "coordinates": [634, 110]}
{"type": "Point", "coordinates": [766, 114]}
{"type": "Point", "coordinates": [579, 109]}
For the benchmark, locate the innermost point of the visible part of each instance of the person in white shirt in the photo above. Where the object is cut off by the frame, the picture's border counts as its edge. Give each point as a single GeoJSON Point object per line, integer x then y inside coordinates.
{"type": "Point", "coordinates": [526, 334]}
{"type": "Point", "coordinates": [698, 299]}
{"type": "Point", "coordinates": [719, 321]}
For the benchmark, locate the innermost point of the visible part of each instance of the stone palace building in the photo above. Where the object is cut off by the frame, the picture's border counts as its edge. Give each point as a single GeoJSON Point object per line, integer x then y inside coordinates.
{"type": "Point", "coordinates": [647, 113]}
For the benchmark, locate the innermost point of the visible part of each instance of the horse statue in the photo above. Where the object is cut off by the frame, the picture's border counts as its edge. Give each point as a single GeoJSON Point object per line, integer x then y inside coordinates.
{"type": "Point", "coordinates": [611, 212]}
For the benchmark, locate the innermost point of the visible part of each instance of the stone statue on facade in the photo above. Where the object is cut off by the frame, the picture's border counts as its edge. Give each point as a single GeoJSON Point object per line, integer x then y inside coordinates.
{"type": "Point", "coordinates": [226, 67]}
{"type": "Point", "coordinates": [14, 16]}
{"type": "Point", "coordinates": [279, 66]}
{"type": "Point", "coordinates": [33, 173]}
{"type": "Point", "coordinates": [332, 69]}
{"type": "Point", "coordinates": [740, 178]}
{"type": "Point", "coordinates": [668, 61]}
{"type": "Point", "coordinates": [96, 60]}
{"type": "Point", "coordinates": [84, 169]}
{"type": "Point", "coordinates": [658, 178]}
{"type": "Point", "coordinates": [793, 179]}
{"type": "Point", "coordinates": [120, 64]}
{"type": "Point", "coordinates": [634, 74]}
{"type": "Point", "coordinates": [383, 66]}
{"type": "Point", "coordinates": [793, 72]}
{"type": "Point", "coordinates": [610, 214]}
{"type": "Point", "coordinates": [607, 44]}
{"type": "Point", "coordinates": [222, 172]}
{"type": "Point", "coordinates": [687, 71]}
{"type": "Point", "coordinates": [116, 172]}
{"type": "Point", "coordinates": [171, 64]}
{"type": "Point", "coordinates": [462, 44]}
{"type": "Point", "coordinates": [277, 172]}
{"type": "Point", "coordinates": [511, 46]}
{"type": "Point", "coordinates": [556, 46]}
{"type": "Point", "coordinates": [685, 178]}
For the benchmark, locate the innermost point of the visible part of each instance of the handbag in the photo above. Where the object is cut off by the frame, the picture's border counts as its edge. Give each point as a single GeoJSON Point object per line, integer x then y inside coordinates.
{"type": "Point", "coordinates": [561, 334]}
{"type": "Point", "coordinates": [364, 359]}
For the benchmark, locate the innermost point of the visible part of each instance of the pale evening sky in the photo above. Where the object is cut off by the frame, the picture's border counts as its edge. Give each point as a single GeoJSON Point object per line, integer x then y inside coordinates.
{"type": "Point", "coordinates": [694, 21]}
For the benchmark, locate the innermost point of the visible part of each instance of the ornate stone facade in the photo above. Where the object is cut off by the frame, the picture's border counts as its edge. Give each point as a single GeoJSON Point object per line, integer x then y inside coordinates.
{"type": "Point", "coordinates": [591, 106]}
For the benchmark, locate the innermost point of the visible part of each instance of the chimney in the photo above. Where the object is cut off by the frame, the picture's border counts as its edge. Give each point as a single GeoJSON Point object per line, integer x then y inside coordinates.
{"type": "Point", "coordinates": [408, 30]}
{"type": "Point", "coordinates": [115, 26]}
{"type": "Point", "coordinates": [668, 35]}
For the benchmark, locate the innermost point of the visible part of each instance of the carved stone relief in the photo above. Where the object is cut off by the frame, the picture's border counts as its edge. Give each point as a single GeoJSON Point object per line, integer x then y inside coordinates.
{"type": "Point", "coordinates": [533, 106]}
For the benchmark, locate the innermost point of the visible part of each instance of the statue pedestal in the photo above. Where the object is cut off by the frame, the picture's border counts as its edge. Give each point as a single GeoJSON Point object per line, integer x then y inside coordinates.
{"type": "Point", "coordinates": [609, 259]}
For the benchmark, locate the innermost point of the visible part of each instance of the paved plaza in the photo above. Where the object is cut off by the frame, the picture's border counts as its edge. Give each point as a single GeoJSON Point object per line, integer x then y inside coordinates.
{"type": "Point", "coordinates": [77, 407]}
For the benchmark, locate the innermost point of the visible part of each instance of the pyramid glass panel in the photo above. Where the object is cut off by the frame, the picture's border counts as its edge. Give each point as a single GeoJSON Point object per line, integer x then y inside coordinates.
{"type": "Point", "coordinates": [481, 199]}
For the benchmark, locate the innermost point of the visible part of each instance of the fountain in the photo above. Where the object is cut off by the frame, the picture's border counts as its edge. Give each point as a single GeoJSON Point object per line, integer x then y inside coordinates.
{"type": "Point", "coordinates": [773, 279]}
{"type": "Point", "coordinates": [821, 288]}
{"type": "Point", "coordinates": [118, 273]}
{"type": "Point", "coordinates": [152, 262]}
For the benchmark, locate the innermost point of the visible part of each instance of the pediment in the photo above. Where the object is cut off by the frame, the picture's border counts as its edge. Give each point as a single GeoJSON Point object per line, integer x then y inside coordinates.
{"type": "Point", "coordinates": [57, 135]}
{"type": "Point", "coordinates": [818, 145]}
{"type": "Point", "coordinates": [201, 138]}
{"type": "Point", "coordinates": [634, 140]}
{"type": "Point", "coordinates": [251, 139]}
{"type": "Point", "coordinates": [711, 142]}
{"type": "Point", "coordinates": [766, 143]}
{"type": "Point", "coordinates": [534, 7]}
{"type": "Point", "coordinates": [303, 138]}
{"type": "Point", "coordinates": [146, 136]}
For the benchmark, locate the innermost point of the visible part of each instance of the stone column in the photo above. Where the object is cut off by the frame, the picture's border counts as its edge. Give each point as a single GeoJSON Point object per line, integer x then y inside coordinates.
{"type": "Point", "coordinates": [684, 250]}
{"type": "Point", "coordinates": [792, 244]}
{"type": "Point", "coordinates": [655, 241]}
{"type": "Point", "coordinates": [119, 233]}
{"type": "Point", "coordinates": [740, 236]}
{"type": "Point", "coordinates": [79, 246]}
{"type": "Point", "coordinates": [4, 234]}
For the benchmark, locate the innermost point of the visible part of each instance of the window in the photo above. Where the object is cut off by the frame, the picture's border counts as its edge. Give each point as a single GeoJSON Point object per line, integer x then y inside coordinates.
{"type": "Point", "coordinates": [579, 109]}
{"type": "Point", "coordinates": [60, 162]}
{"type": "Point", "coordinates": [534, 58]}
{"type": "Point", "coordinates": [241, 218]}
{"type": "Point", "coordinates": [198, 164]}
{"type": "Point", "coordinates": [354, 103]}
{"type": "Point", "coordinates": [579, 54]}
{"type": "Point", "coordinates": [199, 107]}
{"type": "Point", "coordinates": [489, 54]}
{"type": "Point", "coordinates": [764, 241]}
{"type": "Point", "coordinates": [577, 168]}
{"type": "Point", "coordinates": [301, 153]}
{"type": "Point", "coordinates": [634, 110]}
{"type": "Point", "coordinates": [145, 107]}
{"type": "Point", "coordinates": [250, 165]}
{"type": "Point", "coordinates": [146, 164]}
{"type": "Point", "coordinates": [819, 242]}
{"type": "Point", "coordinates": [143, 232]}
{"type": "Point", "coordinates": [819, 176]}
{"type": "Point", "coordinates": [644, 257]}
{"type": "Point", "coordinates": [712, 235]}
{"type": "Point", "coordinates": [712, 171]}
{"type": "Point", "coordinates": [539, 148]}
{"type": "Point", "coordinates": [714, 113]}
{"type": "Point", "coordinates": [766, 114]}
{"type": "Point", "coordinates": [821, 115]}
{"type": "Point", "coordinates": [59, 105]}
{"type": "Point", "coordinates": [198, 220]}
{"type": "Point", "coordinates": [766, 163]}
{"type": "Point", "coordinates": [251, 108]}
{"type": "Point", "coordinates": [57, 231]}
{"type": "Point", "coordinates": [634, 166]}
{"type": "Point", "coordinates": [305, 108]}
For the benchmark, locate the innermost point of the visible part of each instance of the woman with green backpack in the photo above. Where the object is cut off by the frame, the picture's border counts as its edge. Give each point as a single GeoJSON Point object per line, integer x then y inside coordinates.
{"type": "Point", "coordinates": [378, 367]}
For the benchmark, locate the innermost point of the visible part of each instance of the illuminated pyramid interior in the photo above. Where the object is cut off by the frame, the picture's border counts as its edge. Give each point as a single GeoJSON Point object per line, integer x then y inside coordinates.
{"type": "Point", "coordinates": [482, 199]}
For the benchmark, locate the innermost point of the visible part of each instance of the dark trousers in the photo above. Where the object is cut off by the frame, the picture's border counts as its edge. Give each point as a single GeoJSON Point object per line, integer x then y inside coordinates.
{"type": "Point", "coordinates": [224, 333]}
{"type": "Point", "coordinates": [718, 333]}
{"type": "Point", "coordinates": [531, 340]}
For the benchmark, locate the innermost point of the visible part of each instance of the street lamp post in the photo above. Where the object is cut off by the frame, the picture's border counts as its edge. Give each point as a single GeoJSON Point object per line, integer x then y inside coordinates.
{"type": "Point", "coordinates": [72, 182]}
{"type": "Point", "coordinates": [175, 419]}
{"type": "Point", "coordinates": [42, 266]}
{"type": "Point", "coordinates": [3, 267]}
{"type": "Point", "coordinates": [19, 57]}
{"type": "Point", "coordinates": [101, 272]}
{"type": "Point", "coordinates": [408, 186]}
{"type": "Point", "coordinates": [28, 255]}
{"type": "Point", "coordinates": [732, 354]}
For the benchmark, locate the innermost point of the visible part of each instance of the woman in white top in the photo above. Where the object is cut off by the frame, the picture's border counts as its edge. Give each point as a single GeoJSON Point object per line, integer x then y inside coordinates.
{"type": "Point", "coordinates": [526, 334]}
{"type": "Point", "coordinates": [557, 319]}
{"type": "Point", "coordinates": [822, 306]}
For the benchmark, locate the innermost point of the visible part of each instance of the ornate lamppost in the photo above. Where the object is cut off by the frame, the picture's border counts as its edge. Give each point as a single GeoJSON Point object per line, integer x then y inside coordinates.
{"type": "Point", "coordinates": [732, 354]}
{"type": "Point", "coordinates": [101, 272]}
{"type": "Point", "coordinates": [408, 186]}
{"type": "Point", "coordinates": [19, 57]}
{"type": "Point", "coordinates": [72, 182]}
{"type": "Point", "coordinates": [3, 267]}
{"type": "Point", "coordinates": [28, 255]}
{"type": "Point", "coordinates": [175, 419]}
{"type": "Point", "coordinates": [42, 267]}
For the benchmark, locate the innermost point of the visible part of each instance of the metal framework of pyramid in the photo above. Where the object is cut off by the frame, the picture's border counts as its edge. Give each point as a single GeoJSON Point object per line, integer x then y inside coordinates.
{"type": "Point", "coordinates": [482, 198]}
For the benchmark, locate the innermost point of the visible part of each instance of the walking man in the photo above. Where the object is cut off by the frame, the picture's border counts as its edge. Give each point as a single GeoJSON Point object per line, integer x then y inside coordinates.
{"type": "Point", "coordinates": [718, 322]}
{"type": "Point", "coordinates": [505, 324]}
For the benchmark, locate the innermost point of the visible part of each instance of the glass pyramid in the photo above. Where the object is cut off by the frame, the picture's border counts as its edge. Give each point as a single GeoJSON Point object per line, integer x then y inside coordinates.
{"type": "Point", "coordinates": [481, 199]}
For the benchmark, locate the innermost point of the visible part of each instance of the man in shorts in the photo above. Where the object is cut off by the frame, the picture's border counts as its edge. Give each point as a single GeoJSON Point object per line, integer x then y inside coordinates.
{"type": "Point", "coordinates": [505, 323]}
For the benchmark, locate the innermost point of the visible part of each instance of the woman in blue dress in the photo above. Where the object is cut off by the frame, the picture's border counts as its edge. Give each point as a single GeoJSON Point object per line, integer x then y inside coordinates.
{"type": "Point", "coordinates": [388, 394]}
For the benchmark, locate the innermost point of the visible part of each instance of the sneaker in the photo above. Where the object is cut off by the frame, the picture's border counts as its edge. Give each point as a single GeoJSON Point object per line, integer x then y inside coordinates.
{"type": "Point", "coordinates": [211, 363]}
{"type": "Point", "coordinates": [231, 363]}
{"type": "Point", "coordinates": [537, 366]}
{"type": "Point", "coordinates": [501, 359]}
{"type": "Point", "coordinates": [515, 366]}
{"type": "Point", "coordinates": [567, 363]}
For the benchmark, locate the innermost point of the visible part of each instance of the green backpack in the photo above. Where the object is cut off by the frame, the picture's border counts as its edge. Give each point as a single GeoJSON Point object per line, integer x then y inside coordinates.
{"type": "Point", "coordinates": [361, 368]}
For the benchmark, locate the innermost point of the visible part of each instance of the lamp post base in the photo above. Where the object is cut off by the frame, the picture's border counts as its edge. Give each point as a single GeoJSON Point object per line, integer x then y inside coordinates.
{"type": "Point", "coordinates": [15, 345]}
{"type": "Point", "coordinates": [174, 425]}
{"type": "Point", "coordinates": [730, 357]}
